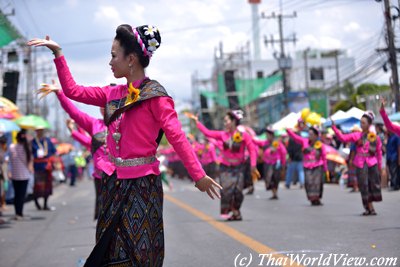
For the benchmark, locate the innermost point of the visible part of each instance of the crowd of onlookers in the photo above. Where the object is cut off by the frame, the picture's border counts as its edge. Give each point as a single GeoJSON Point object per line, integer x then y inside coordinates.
{"type": "Point", "coordinates": [30, 166]}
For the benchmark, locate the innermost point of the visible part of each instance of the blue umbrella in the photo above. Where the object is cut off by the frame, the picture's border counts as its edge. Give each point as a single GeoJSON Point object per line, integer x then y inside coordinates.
{"type": "Point", "coordinates": [395, 117]}
{"type": "Point", "coordinates": [8, 126]}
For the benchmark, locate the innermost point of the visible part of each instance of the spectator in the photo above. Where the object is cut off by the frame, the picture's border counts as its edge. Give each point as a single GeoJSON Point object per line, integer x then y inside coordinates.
{"type": "Point", "coordinates": [393, 161]}
{"type": "Point", "coordinates": [71, 170]}
{"type": "Point", "coordinates": [21, 163]}
{"type": "Point", "coordinates": [42, 149]}
{"type": "Point", "coordinates": [295, 163]}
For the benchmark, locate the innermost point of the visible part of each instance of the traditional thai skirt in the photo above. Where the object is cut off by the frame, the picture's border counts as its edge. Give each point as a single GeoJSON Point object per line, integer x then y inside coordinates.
{"type": "Point", "coordinates": [130, 225]}
{"type": "Point", "coordinates": [211, 169]}
{"type": "Point", "coordinates": [43, 186]}
{"type": "Point", "coordinates": [232, 182]}
{"type": "Point", "coordinates": [272, 176]}
{"type": "Point", "coordinates": [369, 183]}
{"type": "Point", "coordinates": [97, 207]}
{"type": "Point", "coordinates": [314, 183]}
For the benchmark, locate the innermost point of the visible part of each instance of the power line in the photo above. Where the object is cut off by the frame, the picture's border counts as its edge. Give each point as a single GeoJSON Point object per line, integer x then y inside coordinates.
{"type": "Point", "coordinates": [31, 17]}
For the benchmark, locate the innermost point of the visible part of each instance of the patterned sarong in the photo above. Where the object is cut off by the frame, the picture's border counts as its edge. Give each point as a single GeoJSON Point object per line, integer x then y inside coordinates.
{"type": "Point", "coordinates": [272, 176]}
{"type": "Point", "coordinates": [232, 182]}
{"type": "Point", "coordinates": [130, 225]}
{"type": "Point", "coordinates": [314, 183]}
{"type": "Point", "coordinates": [369, 183]}
{"type": "Point", "coordinates": [43, 186]}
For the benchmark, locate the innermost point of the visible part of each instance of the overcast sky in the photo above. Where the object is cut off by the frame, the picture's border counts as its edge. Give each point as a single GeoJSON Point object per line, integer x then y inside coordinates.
{"type": "Point", "coordinates": [190, 31]}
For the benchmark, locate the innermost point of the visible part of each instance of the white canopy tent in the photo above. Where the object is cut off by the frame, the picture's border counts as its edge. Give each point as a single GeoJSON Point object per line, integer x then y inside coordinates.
{"type": "Point", "coordinates": [340, 114]}
{"type": "Point", "coordinates": [289, 121]}
{"type": "Point", "coordinates": [355, 113]}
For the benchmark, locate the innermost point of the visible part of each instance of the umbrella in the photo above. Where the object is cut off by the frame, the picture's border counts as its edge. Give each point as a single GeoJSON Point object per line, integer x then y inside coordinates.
{"type": "Point", "coordinates": [64, 148]}
{"type": "Point", "coordinates": [333, 155]}
{"type": "Point", "coordinates": [32, 122]}
{"type": "Point", "coordinates": [336, 158]}
{"type": "Point", "coordinates": [8, 126]}
{"type": "Point", "coordinates": [395, 117]}
{"type": "Point", "coordinates": [8, 110]}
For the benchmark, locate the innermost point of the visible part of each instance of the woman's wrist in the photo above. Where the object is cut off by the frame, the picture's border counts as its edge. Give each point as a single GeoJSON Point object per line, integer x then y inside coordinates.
{"type": "Point", "coordinates": [57, 52]}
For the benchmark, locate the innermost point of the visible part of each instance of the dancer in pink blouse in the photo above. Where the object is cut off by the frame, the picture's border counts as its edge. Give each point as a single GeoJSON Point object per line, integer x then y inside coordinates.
{"type": "Point", "coordinates": [208, 157]}
{"type": "Point", "coordinates": [314, 162]}
{"type": "Point", "coordinates": [130, 226]}
{"type": "Point", "coordinates": [95, 128]}
{"type": "Point", "coordinates": [367, 160]}
{"type": "Point", "coordinates": [394, 128]}
{"type": "Point", "coordinates": [231, 170]}
{"type": "Point", "coordinates": [274, 151]}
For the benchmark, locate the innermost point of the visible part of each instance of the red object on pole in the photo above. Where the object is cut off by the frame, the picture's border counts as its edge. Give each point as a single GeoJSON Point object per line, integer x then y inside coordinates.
{"type": "Point", "coordinates": [255, 1]}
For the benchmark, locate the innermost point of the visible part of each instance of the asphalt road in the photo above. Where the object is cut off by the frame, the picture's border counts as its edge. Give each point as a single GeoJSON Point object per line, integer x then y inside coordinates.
{"type": "Point", "coordinates": [195, 235]}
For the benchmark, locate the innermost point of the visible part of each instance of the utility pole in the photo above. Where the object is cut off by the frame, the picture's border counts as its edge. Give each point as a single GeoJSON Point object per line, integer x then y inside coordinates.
{"type": "Point", "coordinates": [336, 54]}
{"type": "Point", "coordinates": [284, 62]}
{"type": "Point", "coordinates": [392, 55]}
{"type": "Point", "coordinates": [305, 56]}
{"type": "Point", "coordinates": [256, 28]}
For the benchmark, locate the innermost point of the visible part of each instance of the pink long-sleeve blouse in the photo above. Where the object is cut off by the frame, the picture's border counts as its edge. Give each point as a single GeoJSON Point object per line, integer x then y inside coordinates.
{"type": "Point", "coordinates": [228, 157]}
{"type": "Point", "coordinates": [86, 141]}
{"type": "Point", "coordinates": [310, 159]}
{"type": "Point", "coordinates": [82, 138]}
{"type": "Point", "coordinates": [92, 126]}
{"type": "Point", "coordinates": [208, 155]}
{"type": "Point", "coordinates": [139, 126]}
{"type": "Point", "coordinates": [389, 125]}
{"type": "Point", "coordinates": [363, 154]}
{"type": "Point", "coordinates": [272, 155]}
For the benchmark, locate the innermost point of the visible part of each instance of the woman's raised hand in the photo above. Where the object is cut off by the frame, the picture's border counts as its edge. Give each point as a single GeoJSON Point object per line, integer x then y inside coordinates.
{"type": "Point", "coordinates": [47, 42]}
{"type": "Point", "coordinates": [383, 102]}
{"type": "Point", "coordinates": [47, 89]}
{"type": "Point", "coordinates": [207, 184]}
{"type": "Point", "coordinates": [192, 116]}
{"type": "Point", "coordinates": [332, 121]}
{"type": "Point", "coordinates": [70, 125]}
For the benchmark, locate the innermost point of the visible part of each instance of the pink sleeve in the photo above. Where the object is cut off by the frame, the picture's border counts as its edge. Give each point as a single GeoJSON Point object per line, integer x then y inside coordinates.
{"type": "Point", "coordinates": [283, 152]}
{"type": "Point", "coordinates": [389, 125]}
{"type": "Point", "coordinates": [260, 143]}
{"type": "Point", "coordinates": [213, 153]}
{"type": "Point", "coordinates": [250, 148]}
{"type": "Point", "coordinates": [298, 139]}
{"type": "Point", "coordinates": [83, 139]}
{"type": "Point", "coordinates": [163, 110]}
{"type": "Point", "coordinates": [209, 133]}
{"type": "Point", "coordinates": [82, 119]}
{"type": "Point", "coordinates": [85, 94]}
{"type": "Point", "coordinates": [323, 155]}
{"type": "Point", "coordinates": [346, 138]}
{"type": "Point", "coordinates": [379, 152]}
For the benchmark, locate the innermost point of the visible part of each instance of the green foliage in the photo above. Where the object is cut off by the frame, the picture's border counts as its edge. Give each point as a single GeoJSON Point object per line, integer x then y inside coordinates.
{"type": "Point", "coordinates": [371, 89]}
{"type": "Point", "coordinates": [353, 94]}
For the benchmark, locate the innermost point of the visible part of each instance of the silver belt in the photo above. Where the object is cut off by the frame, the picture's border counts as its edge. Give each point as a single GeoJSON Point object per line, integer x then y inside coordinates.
{"type": "Point", "coordinates": [120, 162]}
{"type": "Point", "coordinates": [311, 161]}
{"type": "Point", "coordinates": [233, 160]}
{"type": "Point", "coordinates": [363, 154]}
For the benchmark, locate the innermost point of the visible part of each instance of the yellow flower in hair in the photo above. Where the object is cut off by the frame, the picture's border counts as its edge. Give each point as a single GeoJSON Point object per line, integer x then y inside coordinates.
{"type": "Point", "coordinates": [200, 152]}
{"type": "Point", "coordinates": [237, 137]}
{"type": "Point", "coordinates": [318, 145]}
{"type": "Point", "coordinates": [133, 95]}
{"type": "Point", "coordinates": [275, 144]}
{"type": "Point", "coordinates": [371, 137]}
